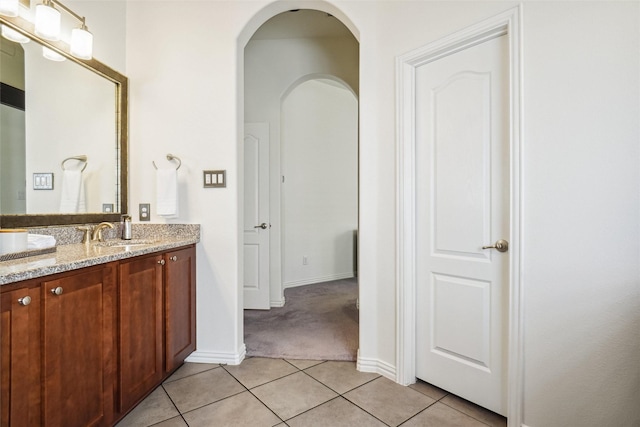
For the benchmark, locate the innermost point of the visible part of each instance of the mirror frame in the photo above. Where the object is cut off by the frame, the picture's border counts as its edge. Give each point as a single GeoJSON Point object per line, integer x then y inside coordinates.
{"type": "Point", "coordinates": [122, 113]}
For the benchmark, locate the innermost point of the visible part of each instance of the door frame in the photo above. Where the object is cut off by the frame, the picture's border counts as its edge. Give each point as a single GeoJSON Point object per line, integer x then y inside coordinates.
{"type": "Point", "coordinates": [507, 23]}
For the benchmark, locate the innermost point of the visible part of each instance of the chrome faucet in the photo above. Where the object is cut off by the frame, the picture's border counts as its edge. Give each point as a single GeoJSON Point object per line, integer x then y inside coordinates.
{"type": "Point", "coordinates": [97, 231]}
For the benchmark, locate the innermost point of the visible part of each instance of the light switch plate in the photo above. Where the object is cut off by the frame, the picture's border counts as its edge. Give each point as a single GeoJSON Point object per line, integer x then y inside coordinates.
{"type": "Point", "coordinates": [144, 211]}
{"type": "Point", "coordinates": [214, 179]}
{"type": "Point", "coordinates": [43, 181]}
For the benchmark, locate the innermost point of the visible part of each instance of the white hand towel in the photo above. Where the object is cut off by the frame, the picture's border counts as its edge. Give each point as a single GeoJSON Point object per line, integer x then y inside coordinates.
{"type": "Point", "coordinates": [40, 241]}
{"type": "Point", "coordinates": [72, 199]}
{"type": "Point", "coordinates": [167, 192]}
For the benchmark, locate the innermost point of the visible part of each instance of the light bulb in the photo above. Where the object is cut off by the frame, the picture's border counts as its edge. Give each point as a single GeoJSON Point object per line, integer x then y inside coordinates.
{"type": "Point", "coordinates": [11, 34]}
{"type": "Point", "coordinates": [81, 43]}
{"type": "Point", "coordinates": [52, 55]}
{"type": "Point", "coordinates": [9, 7]}
{"type": "Point", "coordinates": [47, 22]}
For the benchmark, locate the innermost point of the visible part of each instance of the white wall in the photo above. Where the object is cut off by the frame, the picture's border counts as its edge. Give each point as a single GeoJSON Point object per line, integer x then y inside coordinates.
{"type": "Point", "coordinates": [272, 68]}
{"type": "Point", "coordinates": [581, 247]}
{"type": "Point", "coordinates": [320, 192]}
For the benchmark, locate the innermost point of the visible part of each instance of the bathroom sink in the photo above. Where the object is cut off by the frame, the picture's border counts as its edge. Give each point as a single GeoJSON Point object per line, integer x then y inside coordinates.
{"type": "Point", "coordinates": [124, 243]}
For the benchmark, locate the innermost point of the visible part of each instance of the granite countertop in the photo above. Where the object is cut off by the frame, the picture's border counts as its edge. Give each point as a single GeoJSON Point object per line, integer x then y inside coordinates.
{"type": "Point", "coordinates": [79, 255]}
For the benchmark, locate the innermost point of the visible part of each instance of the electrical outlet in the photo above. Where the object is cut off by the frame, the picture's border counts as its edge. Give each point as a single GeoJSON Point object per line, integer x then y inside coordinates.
{"type": "Point", "coordinates": [144, 211]}
{"type": "Point", "coordinates": [305, 260]}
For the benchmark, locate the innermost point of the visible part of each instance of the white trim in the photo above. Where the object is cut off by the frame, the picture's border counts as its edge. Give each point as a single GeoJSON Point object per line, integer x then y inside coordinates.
{"type": "Point", "coordinates": [277, 303]}
{"type": "Point", "coordinates": [377, 367]}
{"type": "Point", "coordinates": [320, 279]}
{"type": "Point", "coordinates": [200, 356]}
{"type": "Point", "coordinates": [508, 23]}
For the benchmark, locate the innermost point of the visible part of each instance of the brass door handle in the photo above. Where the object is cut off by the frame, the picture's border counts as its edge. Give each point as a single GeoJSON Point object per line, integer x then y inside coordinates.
{"type": "Point", "coordinates": [501, 246]}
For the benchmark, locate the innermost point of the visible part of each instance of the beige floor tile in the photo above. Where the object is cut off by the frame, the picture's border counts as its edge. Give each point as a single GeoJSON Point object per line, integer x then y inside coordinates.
{"type": "Point", "coordinates": [304, 364]}
{"type": "Point", "coordinates": [388, 401]}
{"type": "Point", "coordinates": [335, 413]}
{"type": "Point", "coordinates": [293, 394]}
{"type": "Point", "coordinates": [475, 411]}
{"type": "Point", "coordinates": [440, 415]}
{"type": "Point", "coordinates": [429, 390]}
{"type": "Point", "coordinates": [201, 389]}
{"type": "Point", "coordinates": [240, 410]}
{"type": "Point", "coordinates": [259, 370]}
{"type": "Point", "coordinates": [173, 422]}
{"type": "Point", "coordinates": [189, 369]}
{"type": "Point", "coordinates": [340, 376]}
{"type": "Point", "coordinates": [155, 408]}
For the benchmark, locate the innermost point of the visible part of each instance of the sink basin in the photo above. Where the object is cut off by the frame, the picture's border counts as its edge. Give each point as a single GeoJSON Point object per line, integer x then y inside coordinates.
{"type": "Point", "coordinates": [124, 243]}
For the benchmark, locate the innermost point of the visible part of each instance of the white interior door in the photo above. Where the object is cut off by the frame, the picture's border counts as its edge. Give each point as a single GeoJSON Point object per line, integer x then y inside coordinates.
{"type": "Point", "coordinates": [256, 216]}
{"type": "Point", "coordinates": [462, 185]}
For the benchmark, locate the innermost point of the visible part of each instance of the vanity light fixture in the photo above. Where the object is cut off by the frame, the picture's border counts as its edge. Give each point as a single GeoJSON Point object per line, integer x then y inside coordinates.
{"type": "Point", "coordinates": [47, 26]}
{"type": "Point", "coordinates": [11, 34]}
{"type": "Point", "coordinates": [9, 7]}
{"type": "Point", "coordinates": [47, 23]}
{"type": "Point", "coordinates": [81, 42]}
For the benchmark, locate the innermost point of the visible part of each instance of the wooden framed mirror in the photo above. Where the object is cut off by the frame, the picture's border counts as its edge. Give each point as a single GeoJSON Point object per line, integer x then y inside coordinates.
{"type": "Point", "coordinates": [84, 116]}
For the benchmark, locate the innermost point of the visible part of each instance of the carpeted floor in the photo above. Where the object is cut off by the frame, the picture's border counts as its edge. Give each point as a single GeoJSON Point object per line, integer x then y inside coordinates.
{"type": "Point", "coordinates": [317, 322]}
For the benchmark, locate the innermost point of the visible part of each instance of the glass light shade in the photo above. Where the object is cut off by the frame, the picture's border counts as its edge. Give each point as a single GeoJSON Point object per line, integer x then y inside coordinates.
{"type": "Point", "coordinates": [11, 34]}
{"type": "Point", "coordinates": [52, 55]}
{"type": "Point", "coordinates": [9, 7]}
{"type": "Point", "coordinates": [47, 22]}
{"type": "Point", "coordinates": [81, 43]}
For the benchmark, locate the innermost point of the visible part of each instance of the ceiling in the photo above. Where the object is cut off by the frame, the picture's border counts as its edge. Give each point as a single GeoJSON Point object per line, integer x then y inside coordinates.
{"type": "Point", "coordinates": [303, 23]}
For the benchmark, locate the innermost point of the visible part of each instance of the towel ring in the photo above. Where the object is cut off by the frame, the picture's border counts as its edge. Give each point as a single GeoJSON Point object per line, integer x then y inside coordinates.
{"type": "Point", "coordinates": [81, 158]}
{"type": "Point", "coordinates": [170, 157]}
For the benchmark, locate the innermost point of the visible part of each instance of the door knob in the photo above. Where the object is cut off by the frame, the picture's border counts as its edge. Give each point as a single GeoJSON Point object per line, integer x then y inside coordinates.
{"type": "Point", "coordinates": [57, 291]}
{"type": "Point", "coordinates": [24, 300]}
{"type": "Point", "coordinates": [264, 226]}
{"type": "Point", "coordinates": [501, 245]}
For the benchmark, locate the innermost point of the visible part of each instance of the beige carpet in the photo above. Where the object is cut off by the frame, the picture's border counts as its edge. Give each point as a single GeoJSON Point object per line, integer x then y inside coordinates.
{"type": "Point", "coordinates": [317, 322]}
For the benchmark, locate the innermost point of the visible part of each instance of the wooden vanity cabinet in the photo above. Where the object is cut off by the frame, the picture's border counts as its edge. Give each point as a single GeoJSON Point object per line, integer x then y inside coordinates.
{"type": "Point", "coordinates": [81, 348]}
{"type": "Point", "coordinates": [78, 378]}
{"type": "Point", "coordinates": [20, 356]}
{"type": "Point", "coordinates": [157, 320]}
{"type": "Point", "coordinates": [180, 306]}
{"type": "Point", "coordinates": [140, 330]}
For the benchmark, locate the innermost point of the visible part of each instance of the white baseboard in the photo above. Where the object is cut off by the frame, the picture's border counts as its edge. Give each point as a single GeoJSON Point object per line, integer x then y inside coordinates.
{"type": "Point", "coordinates": [377, 367]}
{"type": "Point", "coordinates": [202, 356]}
{"type": "Point", "coordinates": [321, 279]}
{"type": "Point", "coordinates": [277, 303]}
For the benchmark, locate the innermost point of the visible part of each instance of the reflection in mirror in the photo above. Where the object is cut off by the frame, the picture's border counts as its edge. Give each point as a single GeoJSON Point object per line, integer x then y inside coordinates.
{"type": "Point", "coordinates": [51, 112]}
{"type": "Point", "coordinates": [67, 111]}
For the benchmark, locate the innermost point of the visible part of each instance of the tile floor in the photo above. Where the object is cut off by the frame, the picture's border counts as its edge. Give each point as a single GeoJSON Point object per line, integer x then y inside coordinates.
{"type": "Point", "coordinates": [278, 392]}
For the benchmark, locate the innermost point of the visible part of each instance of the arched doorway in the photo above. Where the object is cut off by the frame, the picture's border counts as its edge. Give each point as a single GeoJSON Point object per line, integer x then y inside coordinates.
{"type": "Point", "coordinates": [292, 46]}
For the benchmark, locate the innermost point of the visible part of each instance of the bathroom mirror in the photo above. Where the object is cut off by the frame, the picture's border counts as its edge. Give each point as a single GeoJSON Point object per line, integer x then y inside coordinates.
{"type": "Point", "coordinates": [71, 109]}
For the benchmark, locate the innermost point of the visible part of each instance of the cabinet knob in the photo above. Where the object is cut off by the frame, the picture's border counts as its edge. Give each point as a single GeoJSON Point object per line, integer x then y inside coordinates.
{"type": "Point", "coordinates": [24, 300]}
{"type": "Point", "coordinates": [161, 262]}
{"type": "Point", "coordinates": [173, 258]}
{"type": "Point", "coordinates": [57, 291]}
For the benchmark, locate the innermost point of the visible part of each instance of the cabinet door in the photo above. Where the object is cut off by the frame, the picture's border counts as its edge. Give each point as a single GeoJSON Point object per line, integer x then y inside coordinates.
{"type": "Point", "coordinates": [79, 348]}
{"type": "Point", "coordinates": [20, 361]}
{"type": "Point", "coordinates": [180, 308]}
{"type": "Point", "coordinates": [140, 328]}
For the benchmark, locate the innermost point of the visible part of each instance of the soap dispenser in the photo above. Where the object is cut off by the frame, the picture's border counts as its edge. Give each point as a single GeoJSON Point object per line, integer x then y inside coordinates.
{"type": "Point", "coordinates": [126, 227]}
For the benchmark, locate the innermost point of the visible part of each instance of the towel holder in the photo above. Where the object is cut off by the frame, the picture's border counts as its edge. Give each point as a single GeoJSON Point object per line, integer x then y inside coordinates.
{"type": "Point", "coordinates": [81, 158]}
{"type": "Point", "coordinates": [170, 157]}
